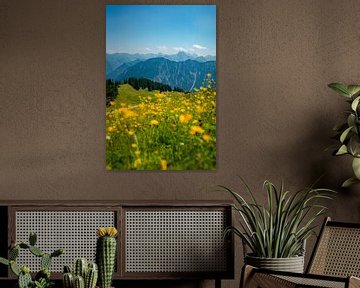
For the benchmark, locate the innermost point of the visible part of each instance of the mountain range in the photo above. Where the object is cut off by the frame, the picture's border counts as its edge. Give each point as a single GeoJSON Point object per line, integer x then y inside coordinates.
{"type": "Point", "coordinates": [183, 70]}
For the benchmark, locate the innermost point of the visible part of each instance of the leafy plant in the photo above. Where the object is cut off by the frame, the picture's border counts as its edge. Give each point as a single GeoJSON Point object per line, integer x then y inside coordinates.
{"type": "Point", "coordinates": [279, 229]}
{"type": "Point", "coordinates": [349, 132]}
{"type": "Point", "coordinates": [42, 278]}
{"type": "Point", "coordinates": [43, 283]}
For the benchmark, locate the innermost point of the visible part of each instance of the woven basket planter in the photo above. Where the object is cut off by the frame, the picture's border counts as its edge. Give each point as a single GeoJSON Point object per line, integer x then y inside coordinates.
{"type": "Point", "coordinates": [291, 264]}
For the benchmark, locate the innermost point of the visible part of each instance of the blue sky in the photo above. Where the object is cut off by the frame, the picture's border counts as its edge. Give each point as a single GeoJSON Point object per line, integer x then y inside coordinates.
{"type": "Point", "coordinates": [164, 29]}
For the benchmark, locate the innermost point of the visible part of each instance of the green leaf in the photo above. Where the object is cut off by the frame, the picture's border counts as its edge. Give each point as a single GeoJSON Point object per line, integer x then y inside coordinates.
{"type": "Point", "coordinates": [356, 167]}
{"type": "Point", "coordinates": [349, 182]}
{"type": "Point", "coordinates": [353, 89]}
{"type": "Point", "coordinates": [340, 88]}
{"type": "Point", "coordinates": [355, 103]}
{"type": "Point", "coordinates": [351, 120]}
{"type": "Point", "coordinates": [345, 134]}
{"type": "Point", "coordinates": [4, 261]}
{"type": "Point", "coordinates": [342, 150]}
{"type": "Point", "coordinates": [354, 145]}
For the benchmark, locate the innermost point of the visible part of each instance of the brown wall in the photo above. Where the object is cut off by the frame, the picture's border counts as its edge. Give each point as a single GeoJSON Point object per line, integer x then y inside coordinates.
{"type": "Point", "coordinates": [275, 113]}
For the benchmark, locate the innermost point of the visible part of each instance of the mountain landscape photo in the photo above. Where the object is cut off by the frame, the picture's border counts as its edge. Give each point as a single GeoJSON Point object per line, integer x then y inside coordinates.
{"type": "Point", "coordinates": [161, 87]}
{"type": "Point", "coordinates": [178, 70]}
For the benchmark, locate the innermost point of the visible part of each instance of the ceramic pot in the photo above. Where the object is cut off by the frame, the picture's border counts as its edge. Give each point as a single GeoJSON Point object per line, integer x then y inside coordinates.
{"type": "Point", "coordinates": [291, 264]}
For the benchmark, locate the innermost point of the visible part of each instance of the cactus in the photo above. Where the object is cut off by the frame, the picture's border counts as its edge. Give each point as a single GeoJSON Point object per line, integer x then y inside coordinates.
{"type": "Point", "coordinates": [32, 238]}
{"type": "Point", "coordinates": [68, 280]}
{"type": "Point", "coordinates": [45, 261]}
{"type": "Point", "coordinates": [80, 268]}
{"type": "Point", "coordinates": [36, 251]}
{"type": "Point", "coordinates": [67, 269]}
{"type": "Point", "coordinates": [24, 246]}
{"type": "Point", "coordinates": [24, 278]}
{"type": "Point", "coordinates": [79, 282]}
{"type": "Point", "coordinates": [57, 252]}
{"type": "Point", "coordinates": [89, 272]}
{"type": "Point", "coordinates": [13, 253]}
{"type": "Point", "coordinates": [91, 276]}
{"type": "Point", "coordinates": [14, 268]}
{"type": "Point", "coordinates": [106, 254]}
{"type": "Point", "coordinates": [44, 273]}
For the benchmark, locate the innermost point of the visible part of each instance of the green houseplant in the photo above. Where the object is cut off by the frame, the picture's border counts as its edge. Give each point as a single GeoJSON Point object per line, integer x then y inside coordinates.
{"type": "Point", "coordinates": [275, 233]}
{"type": "Point", "coordinates": [348, 132]}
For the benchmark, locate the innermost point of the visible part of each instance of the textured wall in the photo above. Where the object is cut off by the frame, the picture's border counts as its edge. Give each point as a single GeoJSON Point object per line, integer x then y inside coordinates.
{"type": "Point", "coordinates": [275, 113]}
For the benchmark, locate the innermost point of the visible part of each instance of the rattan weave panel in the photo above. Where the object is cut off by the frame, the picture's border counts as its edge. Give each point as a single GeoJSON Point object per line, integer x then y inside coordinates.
{"type": "Point", "coordinates": [338, 253]}
{"type": "Point", "coordinates": [175, 241]}
{"type": "Point", "coordinates": [75, 231]}
{"type": "Point", "coordinates": [304, 282]}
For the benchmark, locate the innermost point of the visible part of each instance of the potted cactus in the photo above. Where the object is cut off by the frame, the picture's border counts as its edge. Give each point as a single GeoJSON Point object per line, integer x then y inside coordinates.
{"type": "Point", "coordinates": [106, 254]}
{"type": "Point", "coordinates": [85, 275]}
{"type": "Point", "coordinates": [42, 278]}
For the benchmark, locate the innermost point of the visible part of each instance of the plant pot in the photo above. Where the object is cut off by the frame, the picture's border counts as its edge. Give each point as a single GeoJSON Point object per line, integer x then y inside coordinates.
{"type": "Point", "coordinates": [291, 264]}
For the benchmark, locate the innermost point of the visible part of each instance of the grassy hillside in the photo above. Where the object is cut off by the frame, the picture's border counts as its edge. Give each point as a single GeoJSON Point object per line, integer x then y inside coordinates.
{"type": "Point", "coordinates": [161, 131]}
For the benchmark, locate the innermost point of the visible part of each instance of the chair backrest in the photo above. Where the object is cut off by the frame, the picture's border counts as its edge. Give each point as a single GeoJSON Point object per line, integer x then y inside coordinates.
{"type": "Point", "coordinates": [337, 251]}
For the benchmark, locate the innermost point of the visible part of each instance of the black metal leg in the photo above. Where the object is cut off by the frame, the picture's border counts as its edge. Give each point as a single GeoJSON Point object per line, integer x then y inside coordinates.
{"type": "Point", "coordinates": [217, 283]}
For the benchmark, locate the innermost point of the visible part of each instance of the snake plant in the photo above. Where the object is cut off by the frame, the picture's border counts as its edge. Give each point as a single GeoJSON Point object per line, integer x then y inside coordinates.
{"type": "Point", "coordinates": [279, 228]}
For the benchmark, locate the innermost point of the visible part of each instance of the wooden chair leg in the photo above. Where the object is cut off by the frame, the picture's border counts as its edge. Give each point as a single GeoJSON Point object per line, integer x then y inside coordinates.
{"type": "Point", "coordinates": [354, 282]}
{"type": "Point", "coordinates": [246, 273]}
{"type": "Point", "coordinates": [251, 279]}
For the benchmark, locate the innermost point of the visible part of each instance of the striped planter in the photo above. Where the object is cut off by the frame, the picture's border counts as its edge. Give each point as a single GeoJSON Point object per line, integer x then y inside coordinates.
{"type": "Point", "coordinates": [291, 264]}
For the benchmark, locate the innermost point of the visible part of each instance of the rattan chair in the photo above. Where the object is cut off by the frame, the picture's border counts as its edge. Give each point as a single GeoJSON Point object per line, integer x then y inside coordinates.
{"type": "Point", "coordinates": [334, 263]}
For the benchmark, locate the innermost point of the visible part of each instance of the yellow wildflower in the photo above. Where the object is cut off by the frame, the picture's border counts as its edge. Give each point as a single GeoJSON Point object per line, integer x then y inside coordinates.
{"type": "Point", "coordinates": [130, 132]}
{"type": "Point", "coordinates": [112, 103]}
{"type": "Point", "coordinates": [206, 137]}
{"type": "Point", "coordinates": [196, 129]}
{"type": "Point", "coordinates": [163, 164]}
{"type": "Point", "coordinates": [129, 113]}
{"type": "Point", "coordinates": [154, 122]}
{"type": "Point", "coordinates": [108, 167]}
{"type": "Point", "coordinates": [134, 145]}
{"type": "Point", "coordinates": [137, 152]}
{"type": "Point", "coordinates": [199, 109]}
{"type": "Point", "coordinates": [185, 118]}
{"type": "Point", "coordinates": [108, 137]}
{"type": "Point", "coordinates": [110, 129]}
{"type": "Point", "coordinates": [137, 163]}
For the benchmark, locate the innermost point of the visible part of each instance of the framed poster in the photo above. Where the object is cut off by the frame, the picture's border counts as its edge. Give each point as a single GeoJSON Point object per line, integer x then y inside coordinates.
{"type": "Point", "coordinates": [160, 87]}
